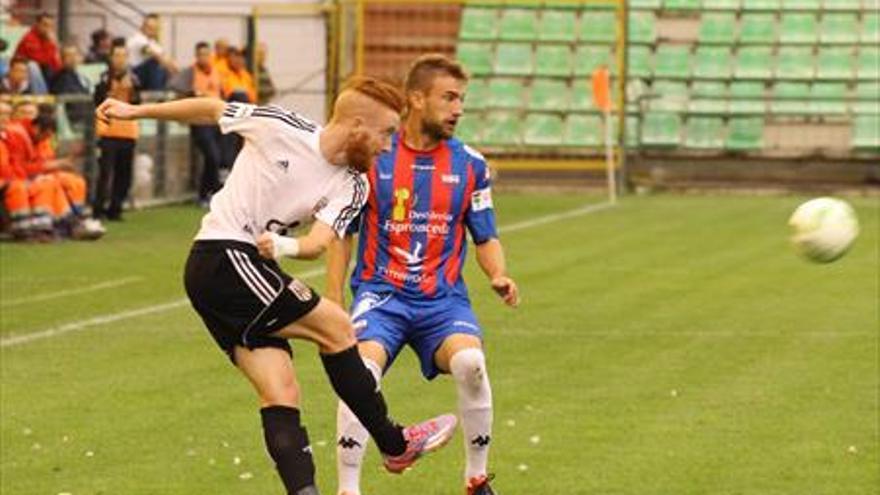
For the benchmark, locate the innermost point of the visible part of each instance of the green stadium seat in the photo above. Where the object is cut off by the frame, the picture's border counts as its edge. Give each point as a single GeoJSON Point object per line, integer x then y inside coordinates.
{"type": "Point", "coordinates": [13, 35]}
{"type": "Point", "coordinates": [549, 94]}
{"type": "Point", "coordinates": [795, 62]}
{"type": "Point", "coordinates": [478, 24]}
{"type": "Point", "coordinates": [870, 27]}
{"type": "Point", "coordinates": [558, 25]}
{"type": "Point", "coordinates": [704, 133]}
{"type": "Point", "coordinates": [669, 96]}
{"type": "Point", "coordinates": [518, 25]}
{"type": "Point", "coordinates": [502, 129]}
{"type": "Point", "coordinates": [582, 96]}
{"type": "Point", "coordinates": [470, 128]}
{"type": "Point", "coordinates": [709, 97]}
{"type": "Point", "coordinates": [828, 98]}
{"type": "Point", "coordinates": [584, 130]}
{"type": "Point", "coordinates": [754, 62]}
{"type": "Point", "coordinates": [477, 95]}
{"type": "Point", "coordinates": [868, 98]}
{"type": "Point", "coordinates": [92, 72]}
{"type": "Point", "coordinates": [761, 4]}
{"type": "Point", "coordinates": [815, 5]}
{"type": "Point", "coordinates": [747, 97]}
{"type": "Point", "coordinates": [718, 27]}
{"type": "Point", "coordinates": [598, 26]}
{"type": "Point", "coordinates": [866, 132]}
{"type": "Point", "coordinates": [745, 134]}
{"type": "Point", "coordinates": [514, 59]}
{"type": "Point", "coordinates": [661, 129]}
{"type": "Point", "coordinates": [476, 57]}
{"type": "Point", "coordinates": [682, 5]}
{"type": "Point", "coordinates": [633, 130]}
{"type": "Point", "coordinates": [839, 28]}
{"type": "Point", "coordinates": [790, 98]}
{"type": "Point", "coordinates": [642, 28]}
{"type": "Point", "coordinates": [850, 5]}
{"type": "Point", "coordinates": [587, 58]}
{"type": "Point", "coordinates": [834, 63]}
{"type": "Point", "coordinates": [553, 60]}
{"type": "Point", "coordinates": [869, 62]}
{"type": "Point", "coordinates": [798, 28]}
{"type": "Point", "coordinates": [673, 61]}
{"type": "Point", "coordinates": [543, 130]}
{"type": "Point", "coordinates": [758, 28]}
{"type": "Point", "coordinates": [722, 5]}
{"type": "Point", "coordinates": [640, 64]}
{"type": "Point", "coordinates": [712, 62]}
{"type": "Point", "coordinates": [506, 93]}
{"type": "Point", "coordinates": [644, 4]}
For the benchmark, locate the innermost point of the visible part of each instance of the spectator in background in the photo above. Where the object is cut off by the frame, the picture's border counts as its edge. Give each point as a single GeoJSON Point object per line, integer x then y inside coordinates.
{"type": "Point", "coordinates": [68, 81]}
{"type": "Point", "coordinates": [116, 138]}
{"type": "Point", "coordinates": [264, 79]}
{"type": "Point", "coordinates": [39, 46]}
{"type": "Point", "coordinates": [221, 52]}
{"type": "Point", "coordinates": [17, 81]}
{"type": "Point", "coordinates": [4, 60]}
{"type": "Point", "coordinates": [238, 85]}
{"type": "Point", "coordinates": [99, 52]}
{"type": "Point", "coordinates": [203, 79]}
{"type": "Point", "coordinates": [147, 57]}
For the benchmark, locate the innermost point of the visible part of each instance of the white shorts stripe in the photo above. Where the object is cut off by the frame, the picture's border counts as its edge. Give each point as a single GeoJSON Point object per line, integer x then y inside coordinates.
{"type": "Point", "coordinates": [241, 273]}
{"type": "Point", "coordinates": [258, 277]}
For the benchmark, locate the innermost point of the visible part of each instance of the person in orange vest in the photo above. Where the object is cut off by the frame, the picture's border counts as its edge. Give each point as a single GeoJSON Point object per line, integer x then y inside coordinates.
{"type": "Point", "coordinates": [203, 79]}
{"type": "Point", "coordinates": [221, 51]}
{"type": "Point", "coordinates": [238, 86]}
{"type": "Point", "coordinates": [116, 137]}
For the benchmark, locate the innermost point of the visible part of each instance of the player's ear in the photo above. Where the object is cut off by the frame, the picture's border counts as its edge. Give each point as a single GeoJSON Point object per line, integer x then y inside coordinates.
{"type": "Point", "coordinates": [416, 100]}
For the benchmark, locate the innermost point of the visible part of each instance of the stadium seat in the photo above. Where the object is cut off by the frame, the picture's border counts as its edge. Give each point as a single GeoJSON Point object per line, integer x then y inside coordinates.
{"type": "Point", "coordinates": [476, 57]}
{"type": "Point", "coordinates": [640, 61]}
{"type": "Point", "coordinates": [798, 28]}
{"type": "Point", "coordinates": [543, 130]}
{"type": "Point", "coordinates": [506, 93]}
{"type": "Point", "coordinates": [13, 35]}
{"type": "Point", "coordinates": [587, 58]}
{"type": "Point", "coordinates": [834, 63]}
{"type": "Point", "coordinates": [553, 60]}
{"type": "Point", "coordinates": [795, 62]}
{"type": "Point", "coordinates": [866, 132]}
{"type": "Point", "coordinates": [669, 96]}
{"type": "Point", "coordinates": [633, 130]}
{"type": "Point", "coordinates": [514, 59]}
{"type": "Point", "coordinates": [839, 28]}
{"type": "Point", "coordinates": [718, 27]}
{"type": "Point", "coordinates": [708, 97]}
{"type": "Point", "coordinates": [582, 96]}
{"type": "Point", "coordinates": [92, 72]}
{"type": "Point", "coordinates": [584, 130]}
{"type": "Point", "coordinates": [470, 128]}
{"type": "Point", "coordinates": [598, 26]}
{"type": "Point", "coordinates": [682, 5]}
{"type": "Point", "coordinates": [558, 25]}
{"type": "Point", "coordinates": [479, 24]}
{"type": "Point", "coordinates": [722, 5]}
{"type": "Point", "coordinates": [661, 129]}
{"type": "Point", "coordinates": [549, 94]}
{"type": "Point", "coordinates": [758, 28]}
{"type": "Point", "coordinates": [518, 25]}
{"type": "Point", "coordinates": [704, 133]}
{"type": "Point", "coordinates": [868, 101]}
{"type": "Point", "coordinates": [712, 62]}
{"type": "Point", "coordinates": [828, 98]}
{"type": "Point", "coordinates": [869, 62]}
{"type": "Point", "coordinates": [747, 97]}
{"type": "Point", "coordinates": [870, 27]}
{"type": "Point", "coordinates": [850, 5]}
{"type": "Point", "coordinates": [502, 128]}
{"type": "Point", "coordinates": [754, 62]}
{"type": "Point", "coordinates": [745, 134]}
{"type": "Point", "coordinates": [815, 5]}
{"type": "Point", "coordinates": [790, 98]}
{"type": "Point", "coordinates": [673, 61]}
{"type": "Point", "coordinates": [644, 4]}
{"type": "Point", "coordinates": [761, 4]}
{"type": "Point", "coordinates": [477, 95]}
{"type": "Point", "coordinates": [642, 28]}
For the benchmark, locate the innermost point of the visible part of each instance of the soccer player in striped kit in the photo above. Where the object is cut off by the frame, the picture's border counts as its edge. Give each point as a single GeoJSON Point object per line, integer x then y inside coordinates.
{"type": "Point", "coordinates": [407, 285]}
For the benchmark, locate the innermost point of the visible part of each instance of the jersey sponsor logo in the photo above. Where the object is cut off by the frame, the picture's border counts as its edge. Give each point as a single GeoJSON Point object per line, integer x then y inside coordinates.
{"type": "Point", "coordinates": [412, 278]}
{"type": "Point", "coordinates": [385, 176]}
{"type": "Point", "coordinates": [481, 199]}
{"type": "Point", "coordinates": [279, 227]}
{"type": "Point", "coordinates": [401, 195]}
{"type": "Point", "coordinates": [450, 178]}
{"type": "Point", "coordinates": [367, 301]}
{"type": "Point", "coordinates": [413, 260]}
{"type": "Point", "coordinates": [300, 290]}
{"type": "Point", "coordinates": [413, 228]}
{"type": "Point", "coordinates": [466, 324]}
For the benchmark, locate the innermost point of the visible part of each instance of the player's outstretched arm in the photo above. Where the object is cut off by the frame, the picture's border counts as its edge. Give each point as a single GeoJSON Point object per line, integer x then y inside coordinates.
{"type": "Point", "coordinates": [198, 111]}
{"type": "Point", "coordinates": [490, 257]}
{"type": "Point", "coordinates": [308, 247]}
{"type": "Point", "coordinates": [338, 257]}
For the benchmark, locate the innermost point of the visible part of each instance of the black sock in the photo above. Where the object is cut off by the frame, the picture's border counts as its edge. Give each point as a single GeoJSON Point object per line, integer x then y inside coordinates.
{"type": "Point", "coordinates": [288, 445]}
{"type": "Point", "coordinates": [357, 388]}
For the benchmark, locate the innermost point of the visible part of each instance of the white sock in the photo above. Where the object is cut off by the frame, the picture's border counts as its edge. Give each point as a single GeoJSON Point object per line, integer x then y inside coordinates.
{"type": "Point", "coordinates": [475, 407]}
{"type": "Point", "coordinates": [351, 441]}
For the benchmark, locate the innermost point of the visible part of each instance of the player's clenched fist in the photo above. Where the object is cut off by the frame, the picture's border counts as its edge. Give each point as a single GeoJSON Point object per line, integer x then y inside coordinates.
{"type": "Point", "coordinates": [266, 245]}
{"type": "Point", "coordinates": [115, 109]}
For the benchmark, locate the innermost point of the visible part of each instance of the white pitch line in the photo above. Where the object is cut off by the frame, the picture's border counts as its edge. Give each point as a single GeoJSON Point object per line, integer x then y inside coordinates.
{"type": "Point", "coordinates": [69, 292]}
{"type": "Point", "coordinates": [159, 308]}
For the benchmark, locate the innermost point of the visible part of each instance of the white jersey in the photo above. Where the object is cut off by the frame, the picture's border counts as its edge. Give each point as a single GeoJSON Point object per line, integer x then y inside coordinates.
{"type": "Point", "coordinates": [280, 179]}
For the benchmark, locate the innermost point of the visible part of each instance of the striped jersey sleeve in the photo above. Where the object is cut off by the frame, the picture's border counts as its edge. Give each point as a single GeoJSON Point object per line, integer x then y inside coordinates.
{"type": "Point", "coordinates": [259, 124]}
{"type": "Point", "coordinates": [344, 206]}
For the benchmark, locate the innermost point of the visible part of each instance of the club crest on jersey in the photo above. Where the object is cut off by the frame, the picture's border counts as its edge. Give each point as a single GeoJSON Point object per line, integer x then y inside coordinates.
{"type": "Point", "coordinates": [481, 199]}
{"type": "Point", "coordinates": [300, 290]}
{"type": "Point", "coordinates": [401, 195]}
{"type": "Point", "coordinates": [450, 178]}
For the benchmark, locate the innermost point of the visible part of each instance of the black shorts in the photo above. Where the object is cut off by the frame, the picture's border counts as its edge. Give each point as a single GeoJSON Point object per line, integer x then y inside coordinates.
{"type": "Point", "coordinates": [243, 297]}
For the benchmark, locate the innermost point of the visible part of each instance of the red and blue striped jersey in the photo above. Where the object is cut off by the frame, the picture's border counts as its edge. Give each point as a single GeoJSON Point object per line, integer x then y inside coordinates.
{"type": "Point", "coordinates": [412, 229]}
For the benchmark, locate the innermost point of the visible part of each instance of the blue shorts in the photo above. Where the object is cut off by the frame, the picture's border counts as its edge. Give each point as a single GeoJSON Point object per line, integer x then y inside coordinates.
{"type": "Point", "coordinates": [393, 321]}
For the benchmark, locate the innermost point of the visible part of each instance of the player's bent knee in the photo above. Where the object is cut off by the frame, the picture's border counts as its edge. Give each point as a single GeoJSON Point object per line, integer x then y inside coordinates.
{"type": "Point", "coordinates": [469, 366]}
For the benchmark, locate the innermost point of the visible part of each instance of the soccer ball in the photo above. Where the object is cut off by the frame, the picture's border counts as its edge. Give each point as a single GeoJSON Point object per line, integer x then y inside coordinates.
{"type": "Point", "coordinates": [824, 229]}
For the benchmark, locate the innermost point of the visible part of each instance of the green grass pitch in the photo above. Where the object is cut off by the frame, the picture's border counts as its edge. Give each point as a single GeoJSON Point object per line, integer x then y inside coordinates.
{"type": "Point", "coordinates": [668, 346]}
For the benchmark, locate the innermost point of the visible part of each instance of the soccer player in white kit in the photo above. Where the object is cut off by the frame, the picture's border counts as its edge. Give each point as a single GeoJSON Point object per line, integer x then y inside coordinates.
{"type": "Point", "coordinates": [290, 171]}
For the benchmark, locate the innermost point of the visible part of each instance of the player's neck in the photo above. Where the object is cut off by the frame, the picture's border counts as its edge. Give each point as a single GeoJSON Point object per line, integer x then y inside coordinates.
{"type": "Point", "coordinates": [415, 139]}
{"type": "Point", "coordinates": [331, 142]}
